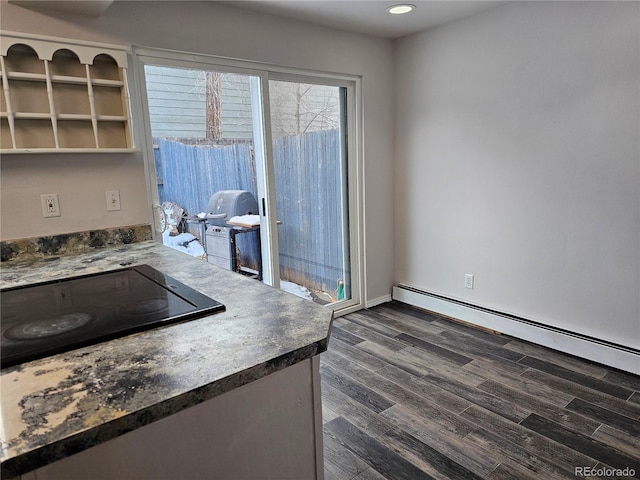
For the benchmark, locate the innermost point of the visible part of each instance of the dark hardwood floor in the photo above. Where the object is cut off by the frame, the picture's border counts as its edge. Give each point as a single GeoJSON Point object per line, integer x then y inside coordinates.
{"type": "Point", "coordinates": [407, 394]}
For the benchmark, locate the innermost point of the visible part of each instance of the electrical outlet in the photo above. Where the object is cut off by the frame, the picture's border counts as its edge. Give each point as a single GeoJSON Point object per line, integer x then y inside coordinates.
{"type": "Point", "coordinates": [113, 200]}
{"type": "Point", "coordinates": [468, 280]}
{"type": "Point", "coordinates": [50, 205]}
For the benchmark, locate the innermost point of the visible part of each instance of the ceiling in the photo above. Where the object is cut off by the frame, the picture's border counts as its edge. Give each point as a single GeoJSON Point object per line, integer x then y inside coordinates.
{"type": "Point", "coordinates": [370, 16]}
{"type": "Point", "coordinates": [91, 8]}
{"type": "Point", "coordinates": [363, 16]}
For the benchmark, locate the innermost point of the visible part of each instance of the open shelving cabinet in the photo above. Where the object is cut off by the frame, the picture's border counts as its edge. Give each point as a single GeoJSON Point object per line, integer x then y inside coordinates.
{"type": "Point", "coordinates": [63, 96]}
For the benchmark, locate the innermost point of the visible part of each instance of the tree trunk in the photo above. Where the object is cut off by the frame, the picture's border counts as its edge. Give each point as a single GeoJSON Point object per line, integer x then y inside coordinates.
{"type": "Point", "coordinates": [214, 105]}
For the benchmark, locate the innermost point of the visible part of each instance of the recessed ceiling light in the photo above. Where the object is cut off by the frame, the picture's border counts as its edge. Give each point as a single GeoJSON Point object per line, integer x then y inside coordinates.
{"type": "Point", "coordinates": [400, 9]}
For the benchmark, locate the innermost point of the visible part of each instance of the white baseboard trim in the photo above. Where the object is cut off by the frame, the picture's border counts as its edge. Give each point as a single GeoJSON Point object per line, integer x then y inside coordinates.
{"type": "Point", "coordinates": [378, 301]}
{"type": "Point", "coordinates": [574, 344]}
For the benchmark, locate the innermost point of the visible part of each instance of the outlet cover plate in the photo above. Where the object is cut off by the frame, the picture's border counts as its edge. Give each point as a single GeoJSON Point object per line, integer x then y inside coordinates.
{"type": "Point", "coordinates": [50, 205]}
{"type": "Point", "coordinates": [468, 280]}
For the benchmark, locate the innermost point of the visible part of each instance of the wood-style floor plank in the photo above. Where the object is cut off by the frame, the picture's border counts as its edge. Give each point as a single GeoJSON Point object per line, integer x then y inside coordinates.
{"type": "Point", "coordinates": [357, 413]}
{"type": "Point", "coordinates": [494, 370]}
{"type": "Point", "coordinates": [581, 443]}
{"type": "Point", "coordinates": [501, 406]}
{"type": "Point", "coordinates": [422, 364]}
{"type": "Point", "coordinates": [407, 323]}
{"type": "Point", "coordinates": [602, 415]}
{"type": "Point", "coordinates": [373, 336]}
{"type": "Point", "coordinates": [339, 461]}
{"type": "Point", "coordinates": [372, 321]}
{"type": "Point", "coordinates": [328, 413]}
{"type": "Point", "coordinates": [471, 457]}
{"type": "Point", "coordinates": [434, 349]}
{"type": "Point", "coordinates": [428, 458]}
{"type": "Point", "coordinates": [369, 474]}
{"type": "Point", "coordinates": [506, 471]}
{"type": "Point", "coordinates": [357, 355]}
{"type": "Point", "coordinates": [385, 461]}
{"type": "Point", "coordinates": [408, 394]}
{"type": "Point", "coordinates": [450, 401]}
{"type": "Point", "coordinates": [561, 455]}
{"type": "Point", "coordinates": [626, 380]}
{"type": "Point", "coordinates": [409, 310]}
{"type": "Point", "coordinates": [466, 330]}
{"type": "Point", "coordinates": [401, 359]}
{"type": "Point", "coordinates": [618, 439]}
{"type": "Point", "coordinates": [346, 337]}
{"type": "Point", "coordinates": [518, 453]}
{"type": "Point", "coordinates": [576, 377]}
{"type": "Point", "coordinates": [576, 421]}
{"type": "Point", "coordinates": [477, 347]}
{"type": "Point", "coordinates": [559, 358]}
{"type": "Point", "coordinates": [596, 397]}
{"type": "Point", "coordinates": [396, 393]}
{"type": "Point", "coordinates": [356, 390]}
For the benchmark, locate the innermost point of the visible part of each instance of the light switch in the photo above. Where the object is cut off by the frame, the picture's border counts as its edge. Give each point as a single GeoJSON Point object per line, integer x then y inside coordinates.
{"type": "Point", "coordinates": [113, 200]}
{"type": "Point", "coordinates": [468, 280]}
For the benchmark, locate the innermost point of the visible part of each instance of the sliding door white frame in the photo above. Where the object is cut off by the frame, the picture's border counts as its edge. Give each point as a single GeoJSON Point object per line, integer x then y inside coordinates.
{"type": "Point", "coordinates": [260, 75]}
{"type": "Point", "coordinates": [354, 181]}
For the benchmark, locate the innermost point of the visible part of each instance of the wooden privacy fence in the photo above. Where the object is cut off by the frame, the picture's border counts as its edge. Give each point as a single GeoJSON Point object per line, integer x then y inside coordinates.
{"type": "Point", "coordinates": [309, 191]}
{"type": "Point", "coordinates": [191, 174]}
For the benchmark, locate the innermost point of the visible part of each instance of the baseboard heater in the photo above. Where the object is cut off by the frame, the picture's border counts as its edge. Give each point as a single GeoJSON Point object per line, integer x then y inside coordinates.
{"type": "Point", "coordinates": [590, 348]}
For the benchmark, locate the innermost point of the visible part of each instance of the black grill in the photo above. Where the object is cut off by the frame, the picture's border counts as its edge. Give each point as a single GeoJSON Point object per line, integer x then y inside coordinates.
{"type": "Point", "coordinates": [223, 206]}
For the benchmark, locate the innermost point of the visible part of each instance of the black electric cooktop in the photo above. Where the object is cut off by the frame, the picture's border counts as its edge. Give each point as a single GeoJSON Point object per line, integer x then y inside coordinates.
{"type": "Point", "coordinates": [39, 320]}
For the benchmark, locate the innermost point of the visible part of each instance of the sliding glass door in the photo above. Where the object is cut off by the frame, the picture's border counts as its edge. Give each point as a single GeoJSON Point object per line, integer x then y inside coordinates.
{"type": "Point", "coordinates": [213, 125]}
{"type": "Point", "coordinates": [202, 123]}
{"type": "Point", "coordinates": [308, 125]}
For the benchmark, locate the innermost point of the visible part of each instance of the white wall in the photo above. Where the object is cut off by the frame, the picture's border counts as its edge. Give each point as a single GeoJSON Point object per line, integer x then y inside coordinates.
{"type": "Point", "coordinates": [206, 27]}
{"type": "Point", "coordinates": [80, 180]}
{"type": "Point", "coordinates": [518, 160]}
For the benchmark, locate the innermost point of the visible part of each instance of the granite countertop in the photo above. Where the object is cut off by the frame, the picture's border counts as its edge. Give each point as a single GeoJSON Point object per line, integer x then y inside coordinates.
{"type": "Point", "coordinates": [57, 406]}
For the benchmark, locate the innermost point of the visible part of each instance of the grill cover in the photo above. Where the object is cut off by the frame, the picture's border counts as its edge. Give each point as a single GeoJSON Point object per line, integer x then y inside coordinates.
{"type": "Point", "coordinates": [230, 203]}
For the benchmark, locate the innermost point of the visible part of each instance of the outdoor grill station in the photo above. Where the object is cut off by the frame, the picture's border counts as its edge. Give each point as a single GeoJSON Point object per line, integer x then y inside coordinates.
{"type": "Point", "coordinates": [220, 234]}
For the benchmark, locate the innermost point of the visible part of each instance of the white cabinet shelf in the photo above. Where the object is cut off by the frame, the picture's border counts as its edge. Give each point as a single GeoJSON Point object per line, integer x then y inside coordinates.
{"type": "Point", "coordinates": [62, 96]}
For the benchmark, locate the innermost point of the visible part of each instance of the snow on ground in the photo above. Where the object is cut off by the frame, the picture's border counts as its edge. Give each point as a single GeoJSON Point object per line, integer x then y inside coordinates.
{"type": "Point", "coordinates": [193, 248]}
{"type": "Point", "coordinates": [295, 289]}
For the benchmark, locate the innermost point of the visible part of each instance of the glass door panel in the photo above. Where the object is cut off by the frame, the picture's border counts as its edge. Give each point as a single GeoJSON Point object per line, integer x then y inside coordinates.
{"type": "Point", "coordinates": [202, 129]}
{"type": "Point", "coordinates": [308, 125]}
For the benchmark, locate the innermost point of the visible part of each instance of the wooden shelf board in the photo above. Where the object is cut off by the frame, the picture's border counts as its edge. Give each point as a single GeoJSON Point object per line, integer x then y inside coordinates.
{"type": "Point", "coordinates": [111, 118]}
{"type": "Point", "coordinates": [41, 77]}
{"type": "Point", "coordinates": [32, 115]}
{"type": "Point", "coordinates": [30, 77]}
{"type": "Point", "coordinates": [69, 79]}
{"type": "Point", "coordinates": [73, 116]}
{"type": "Point", "coordinates": [101, 82]}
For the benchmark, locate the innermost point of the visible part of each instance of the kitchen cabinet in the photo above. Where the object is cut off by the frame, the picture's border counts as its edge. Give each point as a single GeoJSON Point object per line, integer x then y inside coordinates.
{"type": "Point", "coordinates": [62, 96]}
{"type": "Point", "coordinates": [270, 429]}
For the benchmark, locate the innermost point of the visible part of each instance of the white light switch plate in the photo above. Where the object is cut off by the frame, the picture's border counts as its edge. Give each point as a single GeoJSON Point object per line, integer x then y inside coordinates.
{"type": "Point", "coordinates": [113, 200]}
{"type": "Point", "coordinates": [468, 280]}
